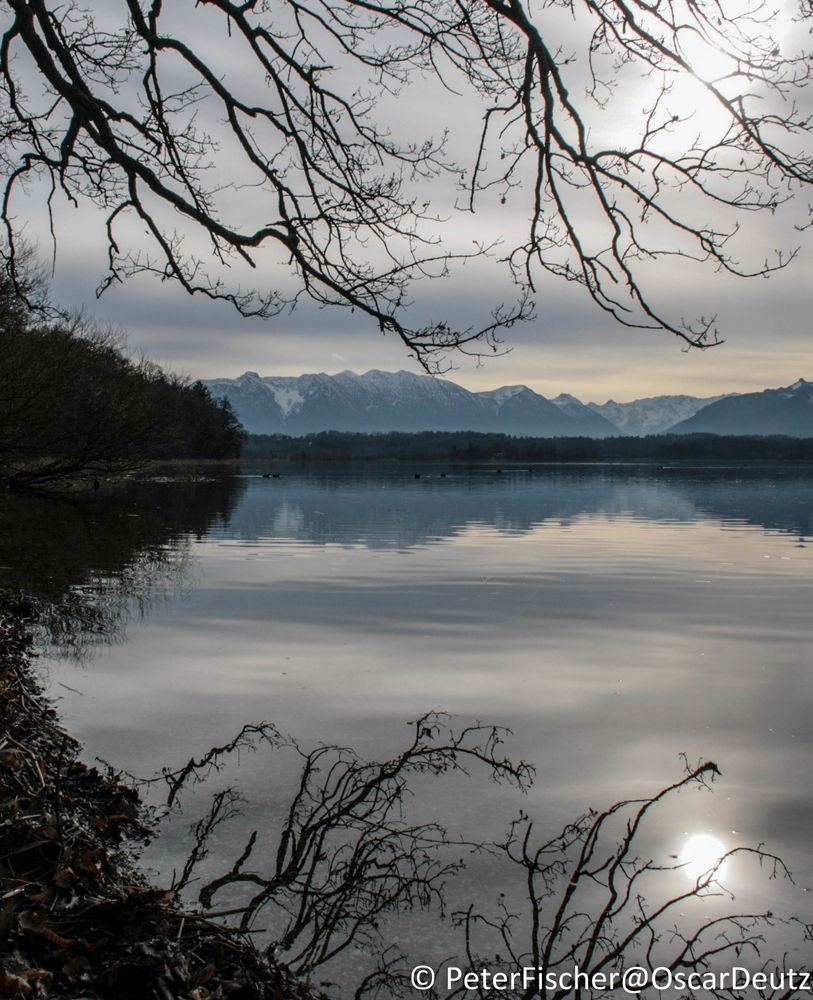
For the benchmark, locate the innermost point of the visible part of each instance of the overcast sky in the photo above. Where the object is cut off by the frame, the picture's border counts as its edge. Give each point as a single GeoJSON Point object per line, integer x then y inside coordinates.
{"type": "Point", "coordinates": [569, 347]}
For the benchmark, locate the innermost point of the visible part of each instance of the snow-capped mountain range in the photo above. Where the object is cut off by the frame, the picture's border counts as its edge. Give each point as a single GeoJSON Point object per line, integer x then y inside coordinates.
{"type": "Point", "coordinates": [653, 415]}
{"type": "Point", "coordinates": [402, 401]}
{"type": "Point", "coordinates": [396, 401]}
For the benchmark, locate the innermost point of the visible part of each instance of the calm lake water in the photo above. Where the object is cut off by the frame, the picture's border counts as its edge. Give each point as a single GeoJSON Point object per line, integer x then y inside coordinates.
{"type": "Point", "coordinates": [613, 617]}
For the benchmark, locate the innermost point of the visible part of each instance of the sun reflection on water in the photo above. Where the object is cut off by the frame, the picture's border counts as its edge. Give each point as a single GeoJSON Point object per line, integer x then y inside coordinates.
{"type": "Point", "coordinates": [701, 855]}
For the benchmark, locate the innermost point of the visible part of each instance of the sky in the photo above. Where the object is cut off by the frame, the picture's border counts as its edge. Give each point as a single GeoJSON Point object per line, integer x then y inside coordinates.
{"type": "Point", "coordinates": [570, 346]}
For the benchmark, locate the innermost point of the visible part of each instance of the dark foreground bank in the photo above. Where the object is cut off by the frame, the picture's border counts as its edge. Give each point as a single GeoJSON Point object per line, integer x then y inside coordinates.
{"type": "Point", "coordinates": [76, 917]}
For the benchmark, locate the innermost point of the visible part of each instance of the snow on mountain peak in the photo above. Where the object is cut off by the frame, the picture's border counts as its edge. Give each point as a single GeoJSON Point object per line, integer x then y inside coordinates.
{"type": "Point", "coordinates": [288, 400]}
{"type": "Point", "coordinates": [504, 393]}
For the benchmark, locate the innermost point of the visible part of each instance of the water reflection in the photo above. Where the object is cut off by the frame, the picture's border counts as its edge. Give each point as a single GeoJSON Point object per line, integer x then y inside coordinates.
{"type": "Point", "coordinates": [393, 510]}
{"type": "Point", "coordinates": [89, 565]}
{"type": "Point", "coordinates": [343, 882]}
{"type": "Point", "coordinates": [614, 618]}
{"type": "Point", "coordinates": [702, 853]}
{"type": "Point", "coordinates": [93, 564]}
{"type": "Point", "coordinates": [51, 547]}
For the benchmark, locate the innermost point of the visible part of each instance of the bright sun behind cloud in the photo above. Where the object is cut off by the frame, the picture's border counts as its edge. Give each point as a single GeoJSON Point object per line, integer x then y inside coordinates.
{"type": "Point", "coordinates": [710, 63]}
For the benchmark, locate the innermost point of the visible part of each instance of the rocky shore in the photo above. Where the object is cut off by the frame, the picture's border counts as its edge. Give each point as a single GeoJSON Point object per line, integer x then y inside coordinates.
{"type": "Point", "coordinates": [77, 919]}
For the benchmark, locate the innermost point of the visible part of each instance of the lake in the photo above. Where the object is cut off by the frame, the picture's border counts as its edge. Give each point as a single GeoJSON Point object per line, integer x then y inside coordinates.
{"type": "Point", "coordinates": [614, 618]}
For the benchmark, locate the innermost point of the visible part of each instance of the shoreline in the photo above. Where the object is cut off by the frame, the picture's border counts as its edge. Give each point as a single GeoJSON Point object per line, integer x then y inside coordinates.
{"type": "Point", "coordinates": [77, 918]}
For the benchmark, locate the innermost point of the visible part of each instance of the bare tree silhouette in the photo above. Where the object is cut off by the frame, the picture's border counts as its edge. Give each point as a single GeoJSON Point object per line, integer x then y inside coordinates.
{"type": "Point", "coordinates": [347, 856]}
{"type": "Point", "coordinates": [202, 155]}
{"type": "Point", "coordinates": [594, 902]}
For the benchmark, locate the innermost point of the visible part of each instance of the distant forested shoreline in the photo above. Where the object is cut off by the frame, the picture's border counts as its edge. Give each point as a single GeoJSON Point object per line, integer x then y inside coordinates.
{"type": "Point", "coordinates": [471, 447]}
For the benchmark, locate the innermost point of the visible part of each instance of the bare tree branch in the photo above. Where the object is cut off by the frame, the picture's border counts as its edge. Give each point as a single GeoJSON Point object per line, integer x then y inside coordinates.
{"type": "Point", "coordinates": [346, 856]}
{"type": "Point", "coordinates": [198, 169]}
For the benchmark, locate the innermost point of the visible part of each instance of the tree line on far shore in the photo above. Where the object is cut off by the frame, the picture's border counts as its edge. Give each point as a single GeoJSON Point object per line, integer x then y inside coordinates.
{"type": "Point", "coordinates": [74, 406]}
{"type": "Point", "coordinates": [472, 447]}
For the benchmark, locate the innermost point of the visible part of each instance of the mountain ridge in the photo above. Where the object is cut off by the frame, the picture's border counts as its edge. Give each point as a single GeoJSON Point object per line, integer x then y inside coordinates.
{"type": "Point", "coordinates": [377, 401]}
{"type": "Point", "coordinates": [786, 410]}
{"type": "Point", "coordinates": [652, 414]}
{"type": "Point", "coordinates": [396, 401]}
